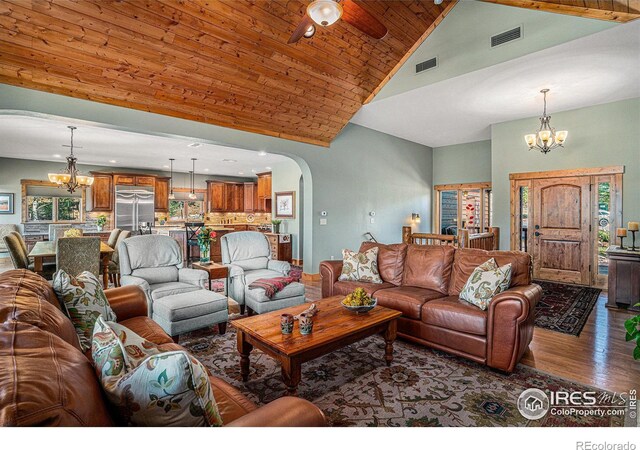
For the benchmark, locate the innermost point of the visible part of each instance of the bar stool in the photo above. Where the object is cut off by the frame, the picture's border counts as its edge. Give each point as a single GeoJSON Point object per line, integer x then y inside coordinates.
{"type": "Point", "coordinates": [192, 229]}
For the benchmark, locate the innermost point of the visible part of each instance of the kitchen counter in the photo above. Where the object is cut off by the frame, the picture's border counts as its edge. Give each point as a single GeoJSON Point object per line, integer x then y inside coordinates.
{"type": "Point", "coordinates": [178, 229]}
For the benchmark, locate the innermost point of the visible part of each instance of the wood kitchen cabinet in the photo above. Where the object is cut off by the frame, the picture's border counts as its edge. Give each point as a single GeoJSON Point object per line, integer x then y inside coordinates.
{"type": "Point", "coordinates": [217, 195]}
{"type": "Point", "coordinates": [126, 180]}
{"type": "Point", "coordinates": [250, 197]}
{"type": "Point", "coordinates": [102, 192]}
{"type": "Point", "coordinates": [161, 198]}
{"type": "Point", "coordinates": [235, 197]}
{"type": "Point", "coordinates": [264, 192]}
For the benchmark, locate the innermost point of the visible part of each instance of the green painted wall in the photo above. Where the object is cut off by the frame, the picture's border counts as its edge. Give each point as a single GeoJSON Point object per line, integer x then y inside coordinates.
{"type": "Point", "coordinates": [286, 177]}
{"type": "Point", "coordinates": [462, 41]}
{"type": "Point", "coordinates": [599, 136]}
{"type": "Point", "coordinates": [362, 171]}
{"type": "Point", "coordinates": [462, 163]}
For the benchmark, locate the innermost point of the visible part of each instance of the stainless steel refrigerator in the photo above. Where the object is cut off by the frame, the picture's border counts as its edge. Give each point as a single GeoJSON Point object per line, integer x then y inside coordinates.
{"type": "Point", "coordinates": [134, 204]}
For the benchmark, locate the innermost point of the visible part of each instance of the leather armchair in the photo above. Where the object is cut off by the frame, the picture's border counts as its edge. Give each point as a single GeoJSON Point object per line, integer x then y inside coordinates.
{"type": "Point", "coordinates": [247, 254]}
{"type": "Point", "coordinates": [153, 263]}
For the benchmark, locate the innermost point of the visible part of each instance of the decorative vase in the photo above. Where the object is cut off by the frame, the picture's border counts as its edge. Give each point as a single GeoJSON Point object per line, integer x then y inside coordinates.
{"type": "Point", "coordinates": [276, 228]}
{"type": "Point", "coordinates": [306, 323]}
{"type": "Point", "coordinates": [286, 324]}
{"type": "Point", "coordinates": [205, 247]}
{"type": "Point", "coordinates": [99, 228]}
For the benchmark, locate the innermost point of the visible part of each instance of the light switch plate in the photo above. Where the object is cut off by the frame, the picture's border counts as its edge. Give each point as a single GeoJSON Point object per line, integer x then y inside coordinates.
{"type": "Point", "coordinates": [372, 220]}
{"type": "Point", "coordinates": [323, 221]}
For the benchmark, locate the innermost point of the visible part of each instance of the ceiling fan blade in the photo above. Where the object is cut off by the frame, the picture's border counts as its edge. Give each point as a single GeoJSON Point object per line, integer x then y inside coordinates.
{"type": "Point", "coordinates": [300, 30]}
{"type": "Point", "coordinates": [358, 17]}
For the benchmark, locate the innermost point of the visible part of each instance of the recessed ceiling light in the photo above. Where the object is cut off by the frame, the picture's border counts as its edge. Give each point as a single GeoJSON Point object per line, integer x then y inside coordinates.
{"type": "Point", "coordinates": [229, 160]}
{"type": "Point", "coordinates": [206, 170]}
{"type": "Point", "coordinates": [57, 156]}
{"type": "Point", "coordinates": [240, 173]}
{"type": "Point", "coordinates": [254, 170]}
{"type": "Point", "coordinates": [113, 161]}
{"type": "Point", "coordinates": [268, 168]}
{"type": "Point", "coordinates": [262, 153]}
{"type": "Point", "coordinates": [194, 145]}
{"type": "Point", "coordinates": [166, 167]}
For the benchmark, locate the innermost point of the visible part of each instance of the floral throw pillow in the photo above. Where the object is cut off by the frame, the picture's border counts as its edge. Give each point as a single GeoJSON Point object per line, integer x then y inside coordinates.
{"type": "Point", "coordinates": [160, 389]}
{"type": "Point", "coordinates": [486, 281]}
{"type": "Point", "coordinates": [360, 266]}
{"type": "Point", "coordinates": [84, 301]}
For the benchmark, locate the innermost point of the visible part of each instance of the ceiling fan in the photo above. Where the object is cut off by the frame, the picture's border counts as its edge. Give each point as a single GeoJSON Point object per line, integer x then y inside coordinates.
{"type": "Point", "coordinates": [327, 12]}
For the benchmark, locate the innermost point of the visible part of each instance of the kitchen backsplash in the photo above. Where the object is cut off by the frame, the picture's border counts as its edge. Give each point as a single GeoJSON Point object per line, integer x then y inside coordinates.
{"type": "Point", "coordinates": [229, 218]}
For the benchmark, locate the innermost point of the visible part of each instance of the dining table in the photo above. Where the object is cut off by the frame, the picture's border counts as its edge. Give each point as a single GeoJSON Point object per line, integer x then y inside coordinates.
{"type": "Point", "coordinates": [47, 249]}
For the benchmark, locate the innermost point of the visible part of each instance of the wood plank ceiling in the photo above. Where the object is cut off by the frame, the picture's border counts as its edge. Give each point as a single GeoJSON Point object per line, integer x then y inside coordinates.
{"type": "Point", "coordinates": [224, 62]}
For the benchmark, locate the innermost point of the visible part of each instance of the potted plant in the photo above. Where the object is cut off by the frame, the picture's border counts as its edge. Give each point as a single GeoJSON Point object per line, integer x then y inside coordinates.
{"type": "Point", "coordinates": [101, 222]}
{"type": "Point", "coordinates": [275, 225]}
{"type": "Point", "coordinates": [163, 220]}
{"type": "Point", "coordinates": [205, 237]}
{"type": "Point", "coordinates": [633, 333]}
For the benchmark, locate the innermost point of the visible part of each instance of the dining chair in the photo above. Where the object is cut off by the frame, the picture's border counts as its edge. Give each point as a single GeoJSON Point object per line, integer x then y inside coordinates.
{"type": "Point", "coordinates": [77, 254]}
{"type": "Point", "coordinates": [17, 248]}
{"type": "Point", "coordinates": [55, 233]}
{"type": "Point", "coordinates": [191, 234]}
{"type": "Point", "coordinates": [114, 264]}
{"type": "Point", "coordinates": [113, 237]}
{"type": "Point", "coordinates": [144, 228]}
{"type": "Point", "coordinates": [4, 230]}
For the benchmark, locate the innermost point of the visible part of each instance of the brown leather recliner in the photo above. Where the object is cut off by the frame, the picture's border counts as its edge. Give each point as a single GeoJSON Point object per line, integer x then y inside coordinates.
{"type": "Point", "coordinates": [45, 379]}
{"type": "Point", "coordinates": [424, 282]}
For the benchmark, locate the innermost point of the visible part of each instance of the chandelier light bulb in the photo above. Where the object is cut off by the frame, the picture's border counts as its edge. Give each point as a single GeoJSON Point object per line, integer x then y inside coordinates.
{"type": "Point", "coordinates": [530, 139]}
{"type": "Point", "coordinates": [324, 12]}
{"type": "Point", "coordinates": [561, 136]}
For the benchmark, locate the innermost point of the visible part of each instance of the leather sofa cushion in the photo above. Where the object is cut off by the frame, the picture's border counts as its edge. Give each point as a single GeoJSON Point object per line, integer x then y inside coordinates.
{"type": "Point", "coordinates": [406, 299]}
{"type": "Point", "coordinates": [467, 259]}
{"type": "Point", "coordinates": [429, 267]}
{"type": "Point", "coordinates": [28, 298]}
{"type": "Point", "coordinates": [391, 258]}
{"type": "Point", "coordinates": [45, 381]}
{"type": "Point", "coordinates": [455, 314]}
{"type": "Point", "coordinates": [231, 403]}
{"type": "Point", "coordinates": [147, 329]}
{"type": "Point", "coordinates": [347, 287]}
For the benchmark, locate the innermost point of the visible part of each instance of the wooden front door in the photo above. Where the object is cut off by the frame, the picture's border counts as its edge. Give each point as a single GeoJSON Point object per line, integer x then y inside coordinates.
{"type": "Point", "coordinates": [561, 229]}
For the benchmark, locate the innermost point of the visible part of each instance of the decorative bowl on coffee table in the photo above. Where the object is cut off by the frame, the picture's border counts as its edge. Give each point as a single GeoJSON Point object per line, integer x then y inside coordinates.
{"type": "Point", "coordinates": [361, 309]}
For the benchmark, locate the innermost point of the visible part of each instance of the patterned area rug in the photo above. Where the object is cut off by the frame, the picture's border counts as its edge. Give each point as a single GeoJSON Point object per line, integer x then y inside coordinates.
{"type": "Point", "coordinates": [565, 307]}
{"type": "Point", "coordinates": [422, 388]}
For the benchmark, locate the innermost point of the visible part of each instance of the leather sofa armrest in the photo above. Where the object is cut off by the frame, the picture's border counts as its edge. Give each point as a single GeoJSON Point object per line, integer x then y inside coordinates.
{"type": "Point", "coordinates": [283, 412]}
{"type": "Point", "coordinates": [510, 325]}
{"type": "Point", "coordinates": [127, 302]}
{"type": "Point", "coordinates": [329, 272]}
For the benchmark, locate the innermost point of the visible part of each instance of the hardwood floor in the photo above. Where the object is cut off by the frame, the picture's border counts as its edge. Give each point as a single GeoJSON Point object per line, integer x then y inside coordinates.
{"type": "Point", "coordinates": [599, 357]}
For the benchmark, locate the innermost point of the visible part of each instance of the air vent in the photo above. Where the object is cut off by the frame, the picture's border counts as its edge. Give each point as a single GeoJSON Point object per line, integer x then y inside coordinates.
{"type": "Point", "coordinates": [426, 65]}
{"type": "Point", "coordinates": [194, 145]}
{"type": "Point", "coordinates": [505, 37]}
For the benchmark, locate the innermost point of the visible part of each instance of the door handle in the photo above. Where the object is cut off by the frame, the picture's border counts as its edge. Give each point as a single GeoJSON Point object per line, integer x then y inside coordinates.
{"type": "Point", "coordinates": [537, 227]}
{"type": "Point", "coordinates": [537, 233]}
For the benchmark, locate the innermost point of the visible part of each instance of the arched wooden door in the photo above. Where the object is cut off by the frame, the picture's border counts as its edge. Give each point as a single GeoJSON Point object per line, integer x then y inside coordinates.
{"type": "Point", "coordinates": [561, 229]}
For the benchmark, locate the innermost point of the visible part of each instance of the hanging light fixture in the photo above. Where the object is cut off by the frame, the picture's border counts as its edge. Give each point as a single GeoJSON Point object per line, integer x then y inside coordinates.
{"type": "Point", "coordinates": [547, 138]}
{"type": "Point", "coordinates": [69, 177]}
{"type": "Point", "coordinates": [324, 12]}
{"type": "Point", "coordinates": [171, 194]}
{"type": "Point", "coordinates": [192, 194]}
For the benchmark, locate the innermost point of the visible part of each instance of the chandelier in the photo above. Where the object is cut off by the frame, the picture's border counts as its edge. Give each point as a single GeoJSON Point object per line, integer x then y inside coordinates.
{"type": "Point", "coordinates": [547, 138]}
{"type": "Point", "coordinates": [69, 177]}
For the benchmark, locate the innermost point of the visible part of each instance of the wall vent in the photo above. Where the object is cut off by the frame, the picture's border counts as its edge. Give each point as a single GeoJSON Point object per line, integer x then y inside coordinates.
{"type": "Point", "coordinates": [507, 36]}
{"type": "Point", "coordinates": [426, 65]}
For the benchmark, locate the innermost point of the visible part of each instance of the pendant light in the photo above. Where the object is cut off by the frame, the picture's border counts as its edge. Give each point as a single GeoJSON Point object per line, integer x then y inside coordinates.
{"type": "Point", "coordinates": [192, 194]}
{"type": "Point", "coordinates": [547, 138]}
{"type": "Point", "coordinates": [70, 177]}
{"type": "Point", "coordinates": [172, 196]}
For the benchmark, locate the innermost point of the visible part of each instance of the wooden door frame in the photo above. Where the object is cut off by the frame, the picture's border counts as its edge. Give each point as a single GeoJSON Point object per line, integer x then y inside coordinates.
{"type": "Point", "coordinates": [615, 173]}
{"type": "Point", "coordinates": [482, 186]}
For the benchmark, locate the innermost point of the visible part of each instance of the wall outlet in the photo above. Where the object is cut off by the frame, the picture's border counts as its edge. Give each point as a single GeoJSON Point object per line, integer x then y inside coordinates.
{"type": "Point", "coordinates": [331, 257]}
{"type": "Point", "coordinates": [323, 221]}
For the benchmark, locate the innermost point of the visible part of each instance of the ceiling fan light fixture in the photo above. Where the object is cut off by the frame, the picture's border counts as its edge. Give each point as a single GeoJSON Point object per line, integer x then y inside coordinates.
{"type": "Point", "coordinates": [324, 12]}
{"type": "Point", "coordinates": [310, 31]}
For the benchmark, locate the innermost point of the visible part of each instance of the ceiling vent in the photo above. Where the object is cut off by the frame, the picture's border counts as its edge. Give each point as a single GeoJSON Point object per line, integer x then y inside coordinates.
{"type": "Point", "coordinates": [194, 145]}
{"type": "Point", "coordinates": [507, 36]}
{"type": "Point", "coordinates": [426, 65]}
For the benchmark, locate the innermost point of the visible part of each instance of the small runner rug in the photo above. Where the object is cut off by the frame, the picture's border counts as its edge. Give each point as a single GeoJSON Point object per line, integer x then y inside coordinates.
{"type": "Point", "coordinates": [565, 307]}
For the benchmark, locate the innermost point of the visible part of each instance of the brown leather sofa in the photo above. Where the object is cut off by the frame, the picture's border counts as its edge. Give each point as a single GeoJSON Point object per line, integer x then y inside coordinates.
{"type": "Point", "coordinates": [424, 282]}
{"type": "Point", "coordinates": [45, 379]}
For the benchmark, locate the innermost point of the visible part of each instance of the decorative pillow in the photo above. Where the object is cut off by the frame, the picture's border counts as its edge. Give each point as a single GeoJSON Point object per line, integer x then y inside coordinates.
{"type": "Point", "coordinates": [159, 389]}
{"type": "Point", "coordinates": [84, 300]}
{"type": "Point", "coordinates": [486, 281]}
{"type": "Point", "coordinates": [360, 266]}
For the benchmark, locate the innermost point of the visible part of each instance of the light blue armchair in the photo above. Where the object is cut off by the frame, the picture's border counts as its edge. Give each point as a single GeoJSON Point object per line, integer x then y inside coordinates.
{"type": "Point", "coordinates": [247, 254]}
{"type": "Point", "coordinates": [154, 263]}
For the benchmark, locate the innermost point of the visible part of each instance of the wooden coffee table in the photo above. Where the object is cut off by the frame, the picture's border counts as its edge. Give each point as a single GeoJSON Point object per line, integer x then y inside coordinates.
{"type": "Point", "coordinates": [334, 327]}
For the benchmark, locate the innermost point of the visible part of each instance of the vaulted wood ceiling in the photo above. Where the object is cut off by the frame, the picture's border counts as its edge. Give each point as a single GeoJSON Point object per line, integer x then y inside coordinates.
{"type": "Point", "coordinates": [225, 62]}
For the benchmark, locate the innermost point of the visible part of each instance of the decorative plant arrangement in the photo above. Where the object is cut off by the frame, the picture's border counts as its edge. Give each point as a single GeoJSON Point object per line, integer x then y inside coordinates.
{"type": "Point", "coordinates": [205, 237]}
{"type": "Point", "coordinates": [101, 221]}
{"type": "Point", "coordinates": [276, 225]}
{"type": "Point", "coordinates": [633, 333]}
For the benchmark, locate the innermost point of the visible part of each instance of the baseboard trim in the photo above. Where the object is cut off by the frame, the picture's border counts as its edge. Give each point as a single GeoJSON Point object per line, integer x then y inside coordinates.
{"type": "Point", "coordinates": [296, 262]}
{"type": "Point", "coordinates": [310, 276]}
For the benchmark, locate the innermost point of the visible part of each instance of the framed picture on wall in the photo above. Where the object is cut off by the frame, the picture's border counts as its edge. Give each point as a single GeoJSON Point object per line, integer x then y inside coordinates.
{"type": "Point", "coordinates": [6, 203]}
{"type": "Point", "coordinates": [285, 205]}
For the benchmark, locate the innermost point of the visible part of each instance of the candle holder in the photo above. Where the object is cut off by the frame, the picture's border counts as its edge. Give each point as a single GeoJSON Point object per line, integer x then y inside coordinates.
{"type": "Point", "coordinates": [633, 242]}
{"type": "Point", "coordinates": [621, 242]}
